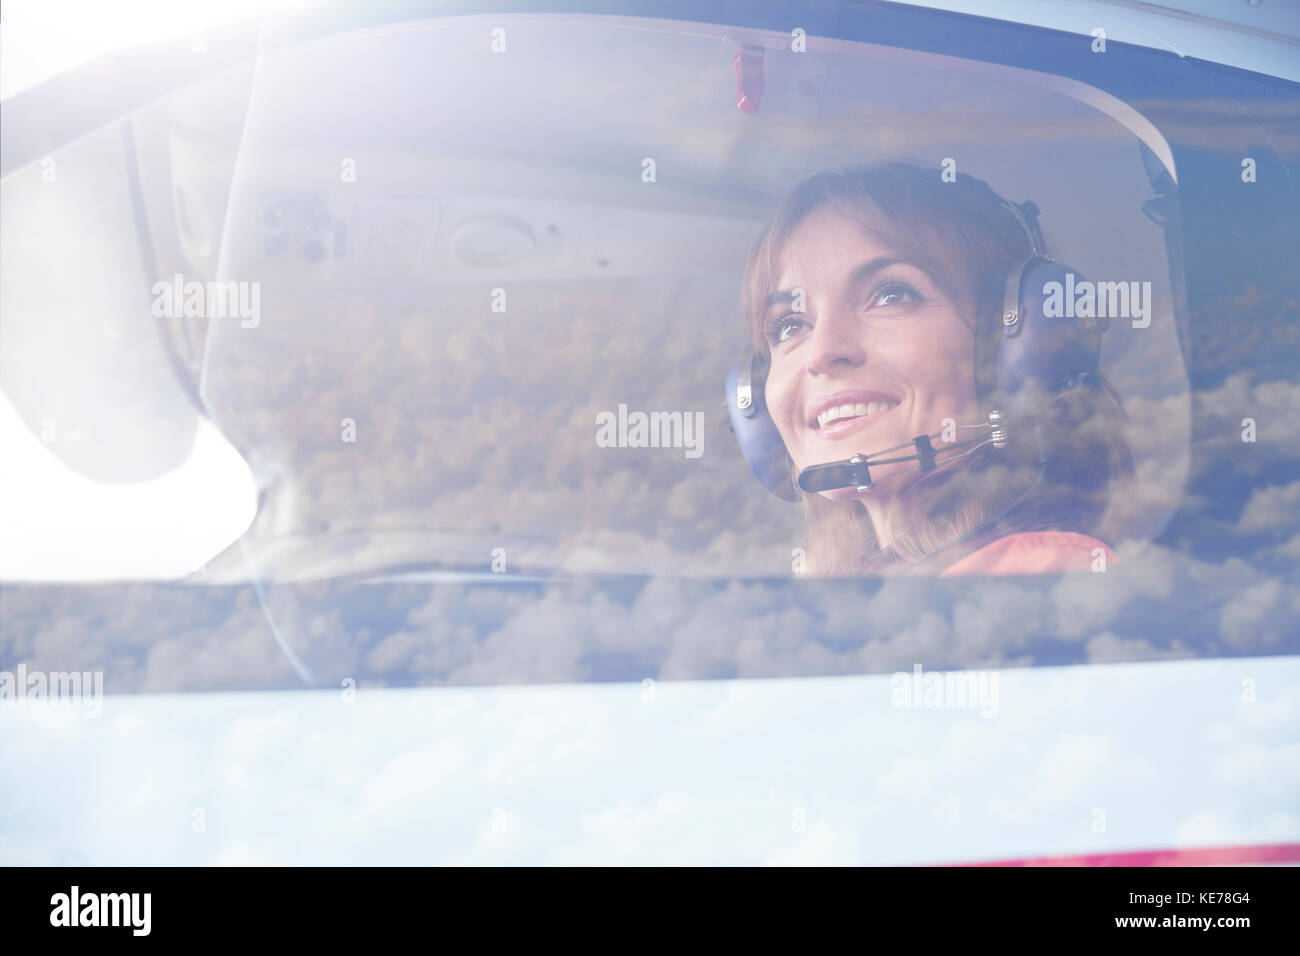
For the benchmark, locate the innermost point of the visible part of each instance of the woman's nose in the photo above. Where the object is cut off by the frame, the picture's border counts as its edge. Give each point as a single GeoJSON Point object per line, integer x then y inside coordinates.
{"type": "Point", "coordinates": [835, 343]}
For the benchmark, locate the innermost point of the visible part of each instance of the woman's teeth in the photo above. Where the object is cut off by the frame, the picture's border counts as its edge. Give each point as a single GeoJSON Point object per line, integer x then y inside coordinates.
{"type": "Point", "coordinates": [853, 411]}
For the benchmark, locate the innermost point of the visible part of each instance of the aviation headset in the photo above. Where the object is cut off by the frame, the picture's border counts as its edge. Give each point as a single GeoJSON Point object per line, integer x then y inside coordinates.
{"type": "Point", "coordinates": [1033, 355]}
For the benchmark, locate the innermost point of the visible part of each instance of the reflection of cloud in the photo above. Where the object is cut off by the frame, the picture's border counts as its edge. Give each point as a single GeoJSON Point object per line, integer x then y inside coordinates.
{"type": "Point", "coordinates": [144, 637]}
{"type": "Point", "coordinates": [1247, 619]}
{"type": "Point", "coordinates": [1106, 648]}
{"type": "Point", "coordinates": [455, 445]}
{"type": "Point", "coordinates": [463, 432]}
{"type": "Point", "coordinates": [1154, 603]}
{"type": "Point", "coordinates": [1270, 508]}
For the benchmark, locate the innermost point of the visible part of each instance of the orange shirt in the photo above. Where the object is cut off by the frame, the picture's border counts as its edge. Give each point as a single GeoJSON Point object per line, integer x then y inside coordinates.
{"type": "Point", "coordinates": [1032, 552]}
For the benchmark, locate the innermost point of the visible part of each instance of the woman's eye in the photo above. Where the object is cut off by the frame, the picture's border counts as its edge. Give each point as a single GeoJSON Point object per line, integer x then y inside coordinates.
{"type": "Point", "coordinates": [894, 293]}
{"type": "Point", "coordinates": [783, 328]}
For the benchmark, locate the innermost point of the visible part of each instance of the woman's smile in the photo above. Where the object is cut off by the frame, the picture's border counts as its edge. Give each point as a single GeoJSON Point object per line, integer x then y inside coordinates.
{"type": "Point", "coordinates": [844, 413]}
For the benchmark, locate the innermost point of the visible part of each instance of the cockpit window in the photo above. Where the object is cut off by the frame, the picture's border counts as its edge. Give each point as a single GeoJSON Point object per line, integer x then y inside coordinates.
{"type": "Point", "coordinates": [488, 327]}
{"type": "Point", "coordinates": [559, 347]}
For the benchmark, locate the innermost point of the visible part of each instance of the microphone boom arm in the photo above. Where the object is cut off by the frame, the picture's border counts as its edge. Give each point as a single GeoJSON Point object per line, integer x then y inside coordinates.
{"type": "Point", "coordinates": [855, 472]}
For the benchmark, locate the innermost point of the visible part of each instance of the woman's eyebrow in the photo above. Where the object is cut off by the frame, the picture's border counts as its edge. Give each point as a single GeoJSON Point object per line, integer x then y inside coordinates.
{"type": "Point", "coordinates": [865, 270]}
{"type": "Point", "coordinates": [870, 268]}
{"type": "Point", "coordinates": [784, 297]}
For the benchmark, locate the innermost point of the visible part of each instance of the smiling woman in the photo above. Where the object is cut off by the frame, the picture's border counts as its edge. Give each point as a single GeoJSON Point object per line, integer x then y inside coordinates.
{"type": "Point", "coordinates": [877, 297]}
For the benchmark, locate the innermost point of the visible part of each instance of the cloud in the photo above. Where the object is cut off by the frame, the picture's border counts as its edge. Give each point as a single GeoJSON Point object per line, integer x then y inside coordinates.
{"type": "Point", "coordinates": [1270, 508]}
{"type": "Point", "coordinates": [1251, 618]}
{"type": "Point", "coordinates": [1107, 648]}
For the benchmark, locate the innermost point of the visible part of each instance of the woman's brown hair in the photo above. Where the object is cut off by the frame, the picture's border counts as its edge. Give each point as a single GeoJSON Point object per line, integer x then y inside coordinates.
{"type": "Point", "coordinates": [967, 239]}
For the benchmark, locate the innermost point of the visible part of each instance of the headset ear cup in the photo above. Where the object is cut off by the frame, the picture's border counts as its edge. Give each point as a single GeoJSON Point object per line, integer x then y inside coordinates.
{"type": "Point", "coordinates": [1044, 343]}
{"type": "Point", "coordinates": [988, 337]}
{"type": "Point", "coordinates": [755, 432]}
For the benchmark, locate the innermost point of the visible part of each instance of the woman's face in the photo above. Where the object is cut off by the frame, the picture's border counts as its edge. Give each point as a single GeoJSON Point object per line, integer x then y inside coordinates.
{"type": "Point", "coordinates": [879, 356]}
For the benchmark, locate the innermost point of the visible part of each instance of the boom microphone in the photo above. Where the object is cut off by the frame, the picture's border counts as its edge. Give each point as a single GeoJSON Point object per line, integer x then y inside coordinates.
{"type": "Point", "coordinates": [855, 472]}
